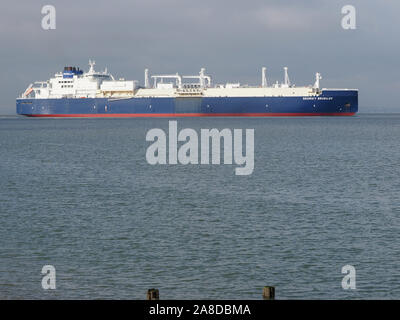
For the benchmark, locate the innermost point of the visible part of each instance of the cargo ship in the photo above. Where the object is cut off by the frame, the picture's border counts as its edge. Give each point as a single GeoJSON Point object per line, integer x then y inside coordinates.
{"type": "Point", "coordinates": [74, 93]}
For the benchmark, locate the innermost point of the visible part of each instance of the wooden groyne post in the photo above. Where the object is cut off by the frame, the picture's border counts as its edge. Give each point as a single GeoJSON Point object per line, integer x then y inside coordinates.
{"type": "Point", "coordinates": [269, 293]}
{"type": "Point", "coordinates": [153, 294]}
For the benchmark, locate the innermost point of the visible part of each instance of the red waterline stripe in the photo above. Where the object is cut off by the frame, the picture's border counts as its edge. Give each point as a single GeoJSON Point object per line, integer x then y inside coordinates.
{"type": "Point", "coordinates": [169, 115]}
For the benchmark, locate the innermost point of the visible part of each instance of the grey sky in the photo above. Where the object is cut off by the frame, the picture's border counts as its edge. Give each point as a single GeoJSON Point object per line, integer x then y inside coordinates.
{"type": "Point", "coordinates": [231, 39]}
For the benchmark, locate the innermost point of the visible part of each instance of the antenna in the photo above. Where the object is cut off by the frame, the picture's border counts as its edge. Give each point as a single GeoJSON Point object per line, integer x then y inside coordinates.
{"type": "Point", "coordinates": [91, 64]}
{"type": "Point", "coordinates": [264, 77]}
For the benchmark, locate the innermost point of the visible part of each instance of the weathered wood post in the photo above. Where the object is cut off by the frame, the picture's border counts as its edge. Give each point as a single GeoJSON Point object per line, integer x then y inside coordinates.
{"type": "Point", "coordinates": [269, 293]}
{"type": "Point", "coordinates": [153, 294]}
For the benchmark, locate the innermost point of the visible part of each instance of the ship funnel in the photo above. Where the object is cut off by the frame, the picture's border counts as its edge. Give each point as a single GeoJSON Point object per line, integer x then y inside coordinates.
{"type": "Point", "coordinates": [317, 78]}
{"type": "Point", "coordinates": [264, 77]}
{"type": "Point", "coordinates": [146, 79]}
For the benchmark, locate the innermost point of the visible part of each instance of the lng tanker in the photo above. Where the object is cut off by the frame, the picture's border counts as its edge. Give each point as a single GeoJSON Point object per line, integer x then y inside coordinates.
{"type": "Point", "coordinates": [74, 93]}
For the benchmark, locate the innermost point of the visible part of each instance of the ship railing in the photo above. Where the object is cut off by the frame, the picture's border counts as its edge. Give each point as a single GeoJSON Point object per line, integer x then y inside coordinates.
{"type": "Point", "coordinates": [190, 93]}
{"type": "Point", "coordinates": [186, 91]}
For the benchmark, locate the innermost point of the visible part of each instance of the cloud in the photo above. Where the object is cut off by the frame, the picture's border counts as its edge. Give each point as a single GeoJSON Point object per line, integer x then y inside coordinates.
{"type": "Point", "coordinates": [291, 18]}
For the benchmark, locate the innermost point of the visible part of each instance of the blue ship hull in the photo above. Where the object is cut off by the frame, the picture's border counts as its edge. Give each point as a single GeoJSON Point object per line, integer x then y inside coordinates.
{"type": "Point", "coordinates": [330, 102]}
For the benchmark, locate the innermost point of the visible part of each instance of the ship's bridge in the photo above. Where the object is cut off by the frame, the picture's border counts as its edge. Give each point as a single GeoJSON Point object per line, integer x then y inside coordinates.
{"type": "Point", "coordinates": [69, 72]}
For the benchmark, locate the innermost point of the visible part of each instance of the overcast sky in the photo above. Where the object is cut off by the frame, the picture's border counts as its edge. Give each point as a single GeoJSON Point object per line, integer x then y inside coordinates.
{"type": "Point", "coordinates": [231, 39]}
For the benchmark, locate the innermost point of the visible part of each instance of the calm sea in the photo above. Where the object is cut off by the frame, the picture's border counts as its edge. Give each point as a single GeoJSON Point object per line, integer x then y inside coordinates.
{"type": "Point", "coordinates": [78, 194]}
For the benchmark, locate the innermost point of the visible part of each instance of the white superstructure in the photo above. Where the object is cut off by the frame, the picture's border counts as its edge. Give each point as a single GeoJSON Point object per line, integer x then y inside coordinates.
{"type": "Point", "coordinates": [74, 83]}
